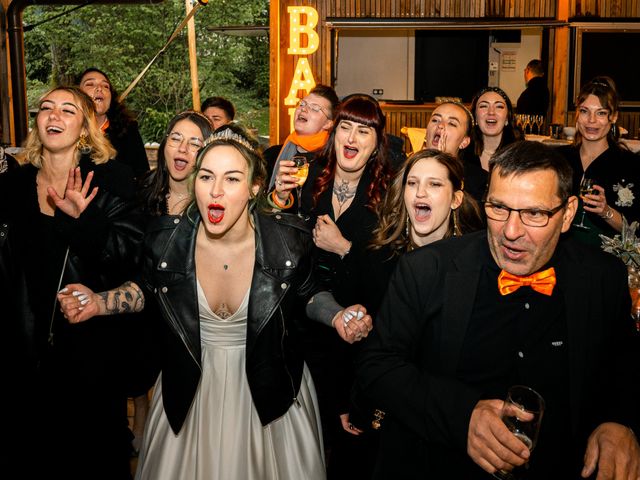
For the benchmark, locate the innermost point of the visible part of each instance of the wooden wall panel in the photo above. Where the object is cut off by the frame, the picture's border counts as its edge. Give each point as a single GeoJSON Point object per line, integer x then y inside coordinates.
{"type": "Point", "coordinates": [604, 9]}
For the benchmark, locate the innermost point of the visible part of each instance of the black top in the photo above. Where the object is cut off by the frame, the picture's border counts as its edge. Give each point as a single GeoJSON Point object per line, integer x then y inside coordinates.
{"type": "Point", "coordinates": [521, 339]}
{"type": "Point", "coordinates": [130, 149]}
{"type": "Point", "coordinates": [534, 100]}
{"type": "Point", "coordinates": [617, 170]}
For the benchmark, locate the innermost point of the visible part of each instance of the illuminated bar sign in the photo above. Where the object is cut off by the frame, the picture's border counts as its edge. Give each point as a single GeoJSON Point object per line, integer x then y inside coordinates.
{"type": "Point", "coordinates": [303, 40]}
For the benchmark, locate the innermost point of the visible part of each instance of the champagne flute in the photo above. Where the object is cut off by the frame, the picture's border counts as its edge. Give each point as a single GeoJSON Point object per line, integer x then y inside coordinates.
{"type": "Point", "coordinates": [302, 164]}
{"type": "Point", "coordinates": [539, 119]}
{"type": "Point", "coordinates": [586, 188]}
{"type": "Point", "coordinates": [522, 414]}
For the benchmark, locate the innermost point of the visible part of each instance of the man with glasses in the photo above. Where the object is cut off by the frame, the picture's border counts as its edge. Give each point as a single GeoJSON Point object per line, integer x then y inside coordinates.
{"type": "Point", "coordinates": [466, 318]}
{"type": "Point", "coordinates": [312, 121]}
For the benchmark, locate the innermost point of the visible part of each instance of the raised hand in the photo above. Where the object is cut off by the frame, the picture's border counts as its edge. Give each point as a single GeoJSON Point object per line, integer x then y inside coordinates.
{"type": "Point", "coordinates": [285, 182]}
{"type": "Point", "coordinates": [76, 195]}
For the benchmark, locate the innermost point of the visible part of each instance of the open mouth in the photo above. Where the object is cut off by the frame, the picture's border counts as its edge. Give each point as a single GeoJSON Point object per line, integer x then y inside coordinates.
{"type": "Point", "coordinates": [180, 164]}
{"type": "Point", "coordinates": [491, 121]}
{"type": "Point", "coordinates": [422, 212]}
{"type": "Point", "coordinates": [436, 140]}
{"type": "Point", "coordinates": [350, 152]}
{"type": "Point", "coordinates": [52, 129]}
{"type": "Point", "coordinates": [513, 254]}
{"type": "Point", "coordinates": [215, 213]}
{"type": "Point", "coordinates": [301, 118]}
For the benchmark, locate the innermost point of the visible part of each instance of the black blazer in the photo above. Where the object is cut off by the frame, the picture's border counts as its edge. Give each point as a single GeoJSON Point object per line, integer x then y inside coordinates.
{"type": "Point", "coordinates": [282, 276]}
{"type": "Point", "coordinates": [408, 365]}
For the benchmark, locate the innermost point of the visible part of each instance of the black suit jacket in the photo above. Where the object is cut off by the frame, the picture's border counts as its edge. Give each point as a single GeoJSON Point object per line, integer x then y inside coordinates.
{"type": "Point", "coordinates": [408, 366]}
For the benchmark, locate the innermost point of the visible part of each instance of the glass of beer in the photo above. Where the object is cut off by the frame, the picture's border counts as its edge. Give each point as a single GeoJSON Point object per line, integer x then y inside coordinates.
{"type": "Point", "coordinates": [302, 164]}
{"type": "Point", "coordinates": [522, 413]}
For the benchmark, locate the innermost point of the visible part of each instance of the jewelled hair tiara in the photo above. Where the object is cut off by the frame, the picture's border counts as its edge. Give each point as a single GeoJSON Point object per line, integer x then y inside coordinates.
{"type": "Point", "coordinates": [228, 134]}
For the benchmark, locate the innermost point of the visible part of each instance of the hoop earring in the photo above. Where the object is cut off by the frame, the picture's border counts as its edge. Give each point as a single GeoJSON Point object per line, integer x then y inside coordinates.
{"type": "Point", "coordinates": [83, 147]}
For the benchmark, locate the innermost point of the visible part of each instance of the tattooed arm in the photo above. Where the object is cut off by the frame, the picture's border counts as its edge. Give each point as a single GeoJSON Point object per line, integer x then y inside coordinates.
{"type": "Point", "coordinates": [79, 303]}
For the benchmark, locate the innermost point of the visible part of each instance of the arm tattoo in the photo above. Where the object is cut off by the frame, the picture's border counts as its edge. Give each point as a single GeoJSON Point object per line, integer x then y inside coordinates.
{"type": "Point", "coordinates": [125, 299]}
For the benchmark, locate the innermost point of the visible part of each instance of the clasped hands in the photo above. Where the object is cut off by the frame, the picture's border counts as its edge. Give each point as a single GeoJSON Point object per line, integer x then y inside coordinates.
{"type": "Point", "coordinates": [612, 448]}
{"type": "Point", "coordinates": [353, 323]}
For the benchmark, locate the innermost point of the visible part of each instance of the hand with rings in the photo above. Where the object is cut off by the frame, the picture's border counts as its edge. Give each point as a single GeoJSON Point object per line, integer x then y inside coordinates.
{"type": "Point", "coordinates": [285, 183]}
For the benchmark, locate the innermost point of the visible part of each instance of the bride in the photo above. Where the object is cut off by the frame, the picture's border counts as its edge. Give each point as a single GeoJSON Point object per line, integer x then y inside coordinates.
{"type": "Point", "coordinates": [235, 398]}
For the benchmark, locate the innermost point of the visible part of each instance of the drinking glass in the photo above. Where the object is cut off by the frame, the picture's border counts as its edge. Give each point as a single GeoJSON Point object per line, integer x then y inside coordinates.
{"type": "Point", "coordinates": [586, 188]}
{"type": "Point", "coordinates": [302, 164]}
{"type": "Point", "coordinates": [539, 121]}
{"type": "Point", "coordinates": [522, 414]}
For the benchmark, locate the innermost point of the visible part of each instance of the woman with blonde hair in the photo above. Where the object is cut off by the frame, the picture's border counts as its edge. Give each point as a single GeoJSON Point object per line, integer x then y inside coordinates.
{"type": "Point", "coordinates": [65, 217]}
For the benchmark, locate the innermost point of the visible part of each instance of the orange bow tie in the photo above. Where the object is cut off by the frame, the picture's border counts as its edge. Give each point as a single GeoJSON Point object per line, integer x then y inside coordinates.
{"type": "Point", "coordinates": [542, 282]}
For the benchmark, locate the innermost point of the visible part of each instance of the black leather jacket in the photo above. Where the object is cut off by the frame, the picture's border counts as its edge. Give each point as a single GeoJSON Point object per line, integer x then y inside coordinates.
{"type": "Point", "coordinates": [104, 248]}
{"type": "Point", "coordinates": [282, 281]}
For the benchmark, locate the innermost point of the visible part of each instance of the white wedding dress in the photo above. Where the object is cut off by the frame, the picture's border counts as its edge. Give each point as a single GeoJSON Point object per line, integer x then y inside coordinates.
{"type": "Point", "coordinates": [222, 437]}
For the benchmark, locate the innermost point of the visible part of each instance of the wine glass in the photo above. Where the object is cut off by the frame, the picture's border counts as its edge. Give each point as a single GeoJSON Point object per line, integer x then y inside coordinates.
{"type": "Point", "coordinates": [522, 414]}
{"type": "Point", "coordinates": [586, 188]}
{"type": "Point", "coordinates": [302, 164]}
{"type": "Point", "coordinates": [539, 121]}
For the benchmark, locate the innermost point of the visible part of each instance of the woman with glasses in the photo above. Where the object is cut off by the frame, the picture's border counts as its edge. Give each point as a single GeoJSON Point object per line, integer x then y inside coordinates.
{"type": "Point", "coordinates": [312, 121]}
{"type": "Point", "coordinates": [115, 120]}
{"type": "Point", "coordinates": [598, 156]}
{"type": "Point", "coordinates": [164, 191]}
{"type": "Point", "coordinates": [235, 399]}
{"type": "Point", "coordinates": [494, 127]}
{"type": "Point", "coordinates": [66, 216]}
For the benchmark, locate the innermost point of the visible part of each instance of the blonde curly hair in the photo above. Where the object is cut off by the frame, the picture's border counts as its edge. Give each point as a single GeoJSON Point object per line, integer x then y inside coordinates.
{"type": "Point", "coordinates": [101, 148]}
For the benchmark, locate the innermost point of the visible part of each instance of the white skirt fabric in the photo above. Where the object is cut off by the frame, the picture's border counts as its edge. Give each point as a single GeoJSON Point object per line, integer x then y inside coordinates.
{"type": "Point", "coordinates": [222, 437]}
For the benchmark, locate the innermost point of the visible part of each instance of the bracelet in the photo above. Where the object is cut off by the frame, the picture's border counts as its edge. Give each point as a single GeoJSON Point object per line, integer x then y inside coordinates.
{"type": "Point", "coordinates": [347, 252]}
{"type": "Point", "coordinates": [608, 215]}
{"type": "Point", "coordinates": [274, 201]}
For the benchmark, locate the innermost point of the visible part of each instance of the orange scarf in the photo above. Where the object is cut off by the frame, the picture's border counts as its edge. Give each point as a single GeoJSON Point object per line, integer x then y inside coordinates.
{"type": "Point", "coordinates": [542, 282]}
{"type": "Point", "coordinates": [104, 126]}
{"type": "Point", "coordinates": [310, 143]}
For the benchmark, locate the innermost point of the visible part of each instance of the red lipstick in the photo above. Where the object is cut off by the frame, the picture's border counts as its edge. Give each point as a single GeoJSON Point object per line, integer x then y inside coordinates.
{"type": "Point", "coordinates": [215, 213]}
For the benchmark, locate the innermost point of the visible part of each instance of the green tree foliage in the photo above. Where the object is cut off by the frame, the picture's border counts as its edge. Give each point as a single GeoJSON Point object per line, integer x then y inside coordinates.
{"type": "Point", "coordinates": [121, 39]}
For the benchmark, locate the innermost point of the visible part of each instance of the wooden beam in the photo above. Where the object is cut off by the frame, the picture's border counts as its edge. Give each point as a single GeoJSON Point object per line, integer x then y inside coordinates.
{"type": "Point", "coordinates": [560, 61]}
{"type": "Point", "coordinates": [274, 72]}
{"type": "Point", "coordinates": [193, 59]}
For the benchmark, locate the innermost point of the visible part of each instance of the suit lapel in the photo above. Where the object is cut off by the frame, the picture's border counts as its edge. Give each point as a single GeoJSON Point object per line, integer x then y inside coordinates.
{"type": "Point", "coordinates": [460, 287]}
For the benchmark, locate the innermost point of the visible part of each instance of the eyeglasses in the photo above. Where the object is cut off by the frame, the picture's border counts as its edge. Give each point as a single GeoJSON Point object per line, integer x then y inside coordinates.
{"type": "Point", "coordinates": [531, 217]}
{"type": "Point", "coordinates": [314, 107]}
{"type": "Point", "coordinates": [175, 139]}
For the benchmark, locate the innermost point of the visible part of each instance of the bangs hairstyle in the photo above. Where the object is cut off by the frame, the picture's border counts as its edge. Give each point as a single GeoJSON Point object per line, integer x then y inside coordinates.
{"type": "Point", "coordinates": [101, 148]}
{"type": "Point", "coordinates": [604, 88]}
{"type": "Point", "coordinates": [510, 133]}
{"type": "Point", "coordinates": [363, 109]}
{"type": "Point", "coordinates": [156, 182]}
{"type": "Point", "coordinates": [393, 217]}
{"type": "Point", "coordinates": [256, 168]}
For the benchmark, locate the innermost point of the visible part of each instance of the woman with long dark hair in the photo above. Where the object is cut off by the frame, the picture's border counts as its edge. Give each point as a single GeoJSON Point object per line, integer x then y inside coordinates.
{"type": "Point", "coordinates": [346, 183]}
{"type": "Point", "coordinates": [494, 128]}
{"type": "Point", "coordinates": [115, 120]}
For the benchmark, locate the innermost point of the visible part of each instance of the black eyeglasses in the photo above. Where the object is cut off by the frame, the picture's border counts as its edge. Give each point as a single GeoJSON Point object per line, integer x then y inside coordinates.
{"type": "Point", "coordinates": [314, 107]}
{"type": "Point", "coordinates": [175, 139]}
{"type": "Point", "coordinates": [531, 217]}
